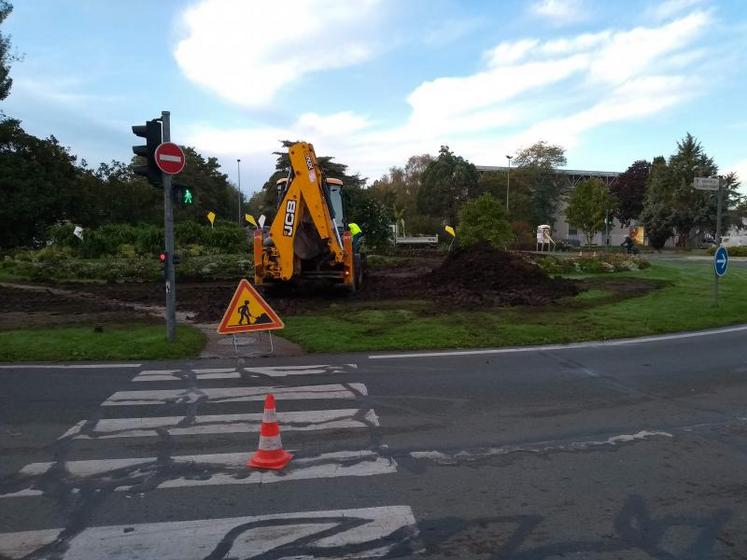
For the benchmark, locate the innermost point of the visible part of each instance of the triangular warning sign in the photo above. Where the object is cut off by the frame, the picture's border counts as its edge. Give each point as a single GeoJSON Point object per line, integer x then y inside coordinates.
{"type": "Point", "coordinates": [248, 312]}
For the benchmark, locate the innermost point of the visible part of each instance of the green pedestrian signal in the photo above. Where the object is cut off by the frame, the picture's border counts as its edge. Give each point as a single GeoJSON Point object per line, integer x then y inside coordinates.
{"type": "Point", "coordinates": [182, 195]}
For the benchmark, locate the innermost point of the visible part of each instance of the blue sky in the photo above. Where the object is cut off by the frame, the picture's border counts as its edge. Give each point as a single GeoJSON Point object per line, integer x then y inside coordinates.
{"type": "Point", "coordinates": [373, 82]}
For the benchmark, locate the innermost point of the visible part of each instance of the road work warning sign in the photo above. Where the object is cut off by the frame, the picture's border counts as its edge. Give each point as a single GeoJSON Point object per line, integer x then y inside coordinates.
{"type": "Point", "coordinates": [248, 312]}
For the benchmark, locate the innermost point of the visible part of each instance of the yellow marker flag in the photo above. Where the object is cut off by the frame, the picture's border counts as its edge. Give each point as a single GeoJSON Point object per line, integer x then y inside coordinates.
{"type": "Point", "coordinates": [249, 218]}
{"type": "Point", "coordinates": [450, 231]}
{"type": "Point", "coordinates": [211, 217]}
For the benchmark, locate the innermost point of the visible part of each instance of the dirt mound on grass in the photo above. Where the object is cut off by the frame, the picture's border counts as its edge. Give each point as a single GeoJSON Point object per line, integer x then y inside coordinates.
{"type": "Point", "coordinates": [477, 275]}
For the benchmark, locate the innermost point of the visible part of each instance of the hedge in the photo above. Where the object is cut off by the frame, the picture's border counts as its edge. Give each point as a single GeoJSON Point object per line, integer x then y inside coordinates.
{"type": "Point", "coordinates": [128, 240]}
{"type": "Point", "coordinates": [57, 265]}
{"type": "Point", "coordinates": [589, 265]}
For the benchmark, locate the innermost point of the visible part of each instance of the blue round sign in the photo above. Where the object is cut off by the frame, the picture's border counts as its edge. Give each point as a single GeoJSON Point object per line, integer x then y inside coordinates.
{"type": "Point", "coordinates": [721, 261]}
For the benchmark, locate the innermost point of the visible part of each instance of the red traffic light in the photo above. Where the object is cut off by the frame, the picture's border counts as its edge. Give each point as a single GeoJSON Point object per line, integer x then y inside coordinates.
{"type": "Point", "coordinates": [162, 257]}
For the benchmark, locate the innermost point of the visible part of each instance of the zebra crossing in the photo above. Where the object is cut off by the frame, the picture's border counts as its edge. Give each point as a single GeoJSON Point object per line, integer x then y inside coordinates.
{"type": "Point", "coordinates": [170, 410]}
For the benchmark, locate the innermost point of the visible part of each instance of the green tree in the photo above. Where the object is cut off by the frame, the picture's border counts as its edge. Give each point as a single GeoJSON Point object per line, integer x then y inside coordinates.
{"type": "Point", "coordinates": [484, 219]}
{"type": "Point", "coordinates": [537, 164]}
{"type": "Point", "coordinates": [448, 182]}
{"type": "Point", "coordinates": [520, 203]}
{"type": "Point", "coordinates": [6, 57]}
{"type": "Point", "coordinates": [588, 207]}
{"type": "Point", "coordinates": [629, 191]}
{"type": "Point", "coordinates": [210, 188]}
{"type": "Point", "coordinates": [398, 190]}
{"type": "Point", "coordinates": [37, 180]}
{"type": "Point", "coordinates": [731, 204]}
{"type": "Point", "coordinates": [373, 218]}
{"type": "Point", "coordinates": [657, 212]}
{"type": "Point", "coordinates": [689, 205]}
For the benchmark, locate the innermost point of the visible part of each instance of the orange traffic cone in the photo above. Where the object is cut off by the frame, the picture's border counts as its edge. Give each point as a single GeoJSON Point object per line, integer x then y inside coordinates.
{"type": "Point", "coordinates": [270, 454]}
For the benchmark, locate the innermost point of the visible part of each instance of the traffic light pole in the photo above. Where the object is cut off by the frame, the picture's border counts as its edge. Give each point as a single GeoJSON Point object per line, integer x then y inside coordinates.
{"type": "Point", "coordinates": [168, 228]}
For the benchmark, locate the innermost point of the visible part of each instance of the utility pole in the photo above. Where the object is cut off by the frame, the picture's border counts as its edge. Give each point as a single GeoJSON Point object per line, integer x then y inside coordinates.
{"type": "Point", "coordinates": [238, 168]}
{"type": "Point", "coordinates": [718, 239]}
{"type": "Point", "coordinates": [508, 182]}
{"type": "Point", "coordinates": [168, 222]}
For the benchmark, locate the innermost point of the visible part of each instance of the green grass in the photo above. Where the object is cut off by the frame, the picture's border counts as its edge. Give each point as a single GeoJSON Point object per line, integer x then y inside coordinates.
{"type": "Point", "coordinates": [125, 342]}
{"type": "Point", "coordinates": [686, 303]}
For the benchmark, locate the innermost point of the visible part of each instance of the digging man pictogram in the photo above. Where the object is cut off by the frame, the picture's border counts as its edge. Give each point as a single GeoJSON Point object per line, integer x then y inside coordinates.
{"type": "Point", "coordinates": [244, 312]}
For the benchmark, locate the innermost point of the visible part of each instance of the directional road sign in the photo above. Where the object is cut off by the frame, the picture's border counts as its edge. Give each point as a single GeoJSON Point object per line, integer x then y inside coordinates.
{"type": "Point", "coordinates": [721, 261]}
{"type": "Point", "coordinates": [170, 158]}
{"type": "Point", "coordinates": [706, 183]}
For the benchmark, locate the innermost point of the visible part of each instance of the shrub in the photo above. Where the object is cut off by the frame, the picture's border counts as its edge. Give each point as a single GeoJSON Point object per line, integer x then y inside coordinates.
{"type": "Point", "coordinates": [62, 235]}
{"type": "Point", "coordinates": [128, 240]}
{"type": "Point", "coordinates": [733, 251]}
{"type": "Point", "coordinates": [484, 219]}
{"type": "Point", "coordinates": [591, 265]}
{"type": "Point", "coordinates": [52, 267]}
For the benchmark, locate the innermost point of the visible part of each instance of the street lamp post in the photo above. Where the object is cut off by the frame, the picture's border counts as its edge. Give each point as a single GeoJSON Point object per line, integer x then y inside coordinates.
{"type": "Point", "coordinates": [508, 182]}
{"type": "Point", "coordinates": [238, 168]}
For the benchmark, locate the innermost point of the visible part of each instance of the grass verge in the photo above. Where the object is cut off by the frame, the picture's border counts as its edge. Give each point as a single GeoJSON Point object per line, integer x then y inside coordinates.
{"type": "Point", "coordinates": [602, 312]}
{"type": "Point", "coordinates": [123, 342]}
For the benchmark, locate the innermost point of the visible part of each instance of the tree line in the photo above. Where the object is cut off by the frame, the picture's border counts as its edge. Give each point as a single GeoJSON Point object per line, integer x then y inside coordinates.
{"type": "Point", "coordinates": [660, 196]}
{"type": "Point", "coordinates": [42, 184]}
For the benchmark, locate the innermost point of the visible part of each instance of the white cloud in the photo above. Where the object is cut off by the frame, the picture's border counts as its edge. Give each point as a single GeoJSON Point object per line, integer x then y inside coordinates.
{"type": "Point", "coordinates": [740, 168]}
{"type": "Point", "coordinates": [508, 52]}
{"type": "Point", "coordinates": [670, 8]}
{"type": "Point", "coordinates": [627, 54]}
{"type": "Point", "coordinates": [560, 12]}
{"type": "Point", "coordinates": [526, 90]}
{"type": "Point", "coordinates": [574, 44]}
{"type": "Point", "coordinates": [247, 51]}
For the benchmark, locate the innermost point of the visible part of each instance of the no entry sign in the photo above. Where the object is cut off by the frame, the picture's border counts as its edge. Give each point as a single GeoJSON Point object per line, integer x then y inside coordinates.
{"type": "Point", "coordinates": [170, 158]}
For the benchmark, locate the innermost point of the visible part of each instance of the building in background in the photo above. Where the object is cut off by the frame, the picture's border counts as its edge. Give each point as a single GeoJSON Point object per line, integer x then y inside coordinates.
{"type": "Point", "coordinates": [567, 179]}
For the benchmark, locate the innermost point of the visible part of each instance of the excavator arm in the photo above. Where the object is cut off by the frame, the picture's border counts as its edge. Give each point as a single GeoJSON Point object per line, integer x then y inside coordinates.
{"type": "Point", "coordinates": [304, 200]}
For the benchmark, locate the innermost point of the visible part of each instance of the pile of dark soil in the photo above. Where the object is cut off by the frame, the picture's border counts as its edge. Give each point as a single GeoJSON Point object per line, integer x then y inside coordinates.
{"type": "Point", "coordinates": [474, 276]}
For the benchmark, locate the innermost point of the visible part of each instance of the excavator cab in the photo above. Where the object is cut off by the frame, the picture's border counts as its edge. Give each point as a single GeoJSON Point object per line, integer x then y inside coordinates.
{"type": "Point", "coordinates": [334, 190]}
{"type": "Point", "coordinates": [307, 240]}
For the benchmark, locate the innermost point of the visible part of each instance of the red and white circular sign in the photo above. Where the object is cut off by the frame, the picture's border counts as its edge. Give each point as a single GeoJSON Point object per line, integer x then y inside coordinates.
{"type": "Point", "coordinates": [170, 158]}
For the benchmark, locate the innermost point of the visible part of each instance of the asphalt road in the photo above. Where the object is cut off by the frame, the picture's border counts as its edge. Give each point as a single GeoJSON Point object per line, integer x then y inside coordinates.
{"type": "Point", "coordinates": [599, 451]}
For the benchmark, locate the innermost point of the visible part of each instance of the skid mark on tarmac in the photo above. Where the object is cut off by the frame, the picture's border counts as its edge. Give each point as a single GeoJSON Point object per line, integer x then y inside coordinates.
{"type": "Point", "coordinates": [635, 532]}
{"type": "Point", "coordinates": [479, 454]}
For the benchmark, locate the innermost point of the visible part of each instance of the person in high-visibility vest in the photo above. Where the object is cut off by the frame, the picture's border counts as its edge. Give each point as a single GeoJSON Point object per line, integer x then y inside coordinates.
{"type": "Point", "coordinates": [357, 233]}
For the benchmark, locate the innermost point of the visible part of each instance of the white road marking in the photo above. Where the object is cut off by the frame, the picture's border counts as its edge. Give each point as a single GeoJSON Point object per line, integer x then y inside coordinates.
{"type": "Point", "coordinates": [607, 343]}
{"type": "Point", "coordinates": [214, 370]}
{"type": "Point", "coordinates": [20, 545]}
{"type": "Point", "coordinates": [235, 471]}
{"type": "Point", "coordinates": [223, 424]}
{"type": "Point", "coordinates": [77, 366]}
{"type": "Point", "coordinates": [203, 374]}
{"type": "Point", "coordinates": [158, 375]}
{"type": "Point", "coordinates": [166, 376]}
{"type": "Point", "coordinates": [283, 371]}
{"type": "Point", "coordinates": [236, 394]}
{"type": "Point", "coordinates": [382, 528]}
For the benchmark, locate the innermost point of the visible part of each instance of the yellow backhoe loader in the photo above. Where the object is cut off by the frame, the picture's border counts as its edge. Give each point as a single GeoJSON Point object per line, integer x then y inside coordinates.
{"type": "Point", "coordinates": [308, 239]}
